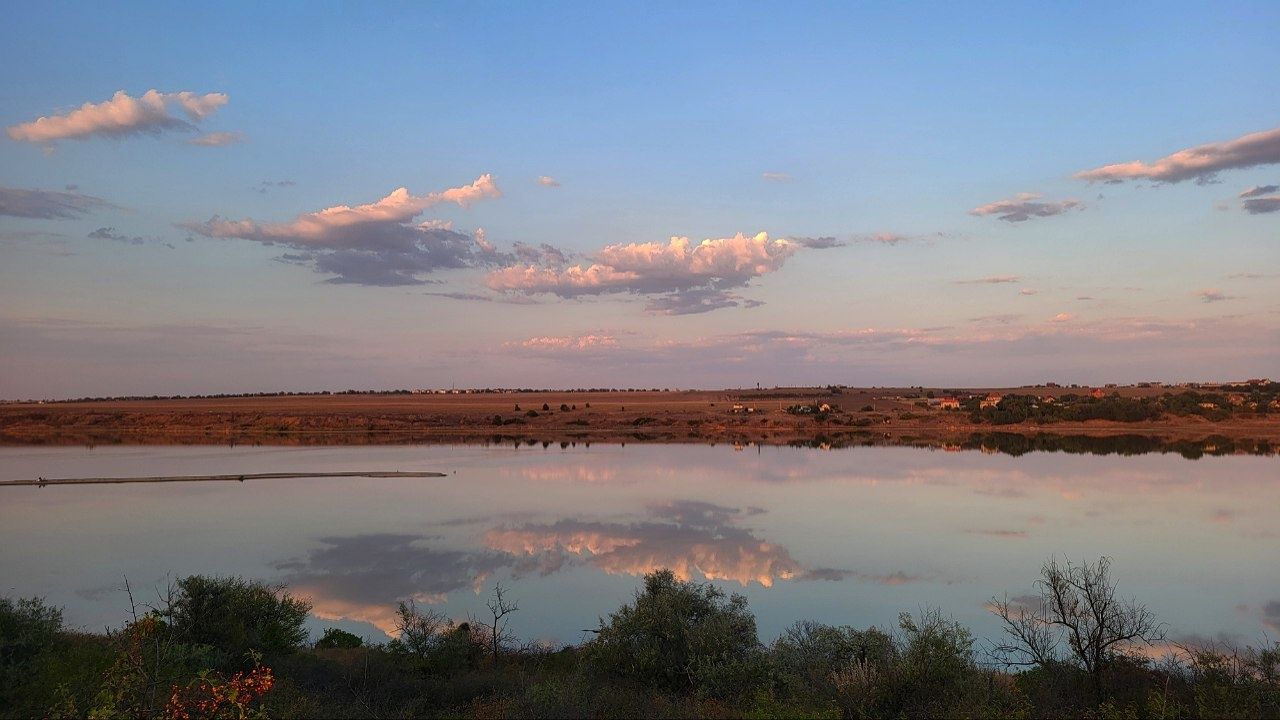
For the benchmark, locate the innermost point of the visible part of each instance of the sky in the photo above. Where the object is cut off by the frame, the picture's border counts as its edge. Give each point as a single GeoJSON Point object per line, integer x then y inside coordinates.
{"type": "Point", "coordinates": [322, 195]}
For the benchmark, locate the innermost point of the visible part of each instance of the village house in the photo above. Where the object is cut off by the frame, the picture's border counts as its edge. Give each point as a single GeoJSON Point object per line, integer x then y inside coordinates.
{"type": "Point", "coordinates": [949, 403]}
{"type": "Point", "coordinates": [991, 400]}
{"type": "Point", "coordinates": [1098, 393]}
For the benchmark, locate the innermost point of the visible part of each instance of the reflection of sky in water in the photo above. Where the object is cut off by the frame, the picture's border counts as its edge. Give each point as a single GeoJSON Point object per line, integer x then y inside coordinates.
{"type": "Point", "coordinates": [849, 536]}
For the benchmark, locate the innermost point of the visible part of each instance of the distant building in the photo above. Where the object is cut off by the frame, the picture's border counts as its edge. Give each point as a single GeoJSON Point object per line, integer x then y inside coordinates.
{"type": "Point", "coordinates": [991, 400]}
{"type": "Point", "coordinates": [1098, 393]}
{"type": "Point", "coordinates": [949, 403]}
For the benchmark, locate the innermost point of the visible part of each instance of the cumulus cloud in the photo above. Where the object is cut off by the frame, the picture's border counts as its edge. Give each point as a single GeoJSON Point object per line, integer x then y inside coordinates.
{"type": "Point", "coordinates": [1028, 291]}
{"type": "Point", "coordinates": [373, 244]}
{"type": "Point", "coordinates": [1062, 317]}
{"type": "Point", "coordinates": [777, 177]}
{"type": "Point", "coordinates": [121, 116]}
{"type": "Point", "coordinates": [217, 139]}
{"type": "Point", "coordinates": [691, 277]}
{"type": "Point", "coordinates": [1024, 206]}
{"type": "Point", "coordinates": [1201, 163]}
{"type": "Point", "coordinates": [47, 204]}
{"type": "Point", "coordinates": [992, 280]}
{"type": "Point", "coordinates": [548, 181]}
{"type": "Point", "coordinates": [1261, 205]}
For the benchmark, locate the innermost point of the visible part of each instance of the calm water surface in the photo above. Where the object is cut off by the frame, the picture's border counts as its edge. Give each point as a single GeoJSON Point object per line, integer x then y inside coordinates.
{"type": "Point", "coordinates": [846, 536]}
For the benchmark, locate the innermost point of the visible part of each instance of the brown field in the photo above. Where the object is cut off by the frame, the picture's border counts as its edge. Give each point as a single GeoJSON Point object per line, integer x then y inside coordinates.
{"type": "Point", "coordinates": [679, 416]}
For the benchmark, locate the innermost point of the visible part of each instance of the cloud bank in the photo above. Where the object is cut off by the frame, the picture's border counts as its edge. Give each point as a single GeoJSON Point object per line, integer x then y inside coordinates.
{"type": "Point", "coordinates": [1024, 206]}
{"type": "Point", "coordinates": [373, 244]}
{"type": "Point", "coordinates": [121, 116]}
{"type": "Point", "coordinates": [1201, 163]}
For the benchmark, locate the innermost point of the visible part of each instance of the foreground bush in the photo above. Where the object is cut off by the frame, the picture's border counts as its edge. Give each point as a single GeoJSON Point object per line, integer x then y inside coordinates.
{"type": "Point", "coordinates": [681, 636]}
{"type": "Point", "coordinates": [680, 649]}
{"type": "Point", "coordinates": [235, 617]}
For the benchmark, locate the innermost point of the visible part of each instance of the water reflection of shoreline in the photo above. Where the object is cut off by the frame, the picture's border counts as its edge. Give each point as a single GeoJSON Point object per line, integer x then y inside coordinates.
{"type": "Point", "coordinates": [994, 442]}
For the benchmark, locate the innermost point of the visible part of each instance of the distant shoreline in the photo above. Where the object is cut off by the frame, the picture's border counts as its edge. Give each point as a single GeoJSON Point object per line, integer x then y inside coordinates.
{"type": "Point", "coordinates": [789, 416]}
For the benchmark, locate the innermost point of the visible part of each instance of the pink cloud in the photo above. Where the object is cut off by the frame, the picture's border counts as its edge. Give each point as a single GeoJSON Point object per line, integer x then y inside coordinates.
{"type": "Point", "coordinates": [120, 116]}
{"type": "Point", "coordinates": [694, 277]}
{"type": "Point", "coordinates": [1200, 163]}
{"type": "Point", "coordinates": [1213, 295]}
{"type": "Point", "coordinates": [1024, 206]}
{"type": "Point", "coordinates": [581, 342]}
{"type": "Point", "coordinates": [548, 181]}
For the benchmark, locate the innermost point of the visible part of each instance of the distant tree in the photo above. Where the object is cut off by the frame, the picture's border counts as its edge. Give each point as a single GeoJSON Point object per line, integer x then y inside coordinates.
{"type": "Point", "coordinates": [338, 638]}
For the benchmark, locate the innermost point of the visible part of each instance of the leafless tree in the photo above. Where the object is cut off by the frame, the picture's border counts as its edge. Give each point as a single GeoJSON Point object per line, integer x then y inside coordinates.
{"type": "Point", "coordinates": [1077, 619]}
{"type": "Point", "coordinates": [496, 628]}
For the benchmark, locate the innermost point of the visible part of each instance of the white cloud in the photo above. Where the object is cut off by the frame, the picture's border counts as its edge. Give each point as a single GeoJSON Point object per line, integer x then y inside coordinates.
{"type": "Point", "coordinates": [548, 181]}
{"type": "Point", "coordinates": [121, 116]}
{"type": "Point", "coordinates": [1201, 163]}
{"type": "Point", "coordinates": [777, 177]}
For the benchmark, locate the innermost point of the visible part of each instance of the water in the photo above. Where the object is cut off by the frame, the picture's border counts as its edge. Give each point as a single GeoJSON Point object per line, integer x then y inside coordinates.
{"type": "Point", "coordinates": [846, 536]}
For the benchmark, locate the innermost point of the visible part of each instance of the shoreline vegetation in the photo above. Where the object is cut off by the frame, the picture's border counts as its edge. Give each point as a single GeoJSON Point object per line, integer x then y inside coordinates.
{"type": "Point", "coordinates": [213, 647]}
{"type": "Point", "coordinates": [1220, 419]}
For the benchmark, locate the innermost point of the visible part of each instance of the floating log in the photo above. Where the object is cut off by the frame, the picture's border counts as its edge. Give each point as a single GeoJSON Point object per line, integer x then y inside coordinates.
{"type": "Point", "coordinates": [41, 482]}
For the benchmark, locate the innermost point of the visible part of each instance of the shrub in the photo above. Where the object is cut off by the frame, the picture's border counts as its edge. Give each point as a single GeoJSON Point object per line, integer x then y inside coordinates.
{"type": "Point", "coordinates": [28, 630]}
{"type": "Point", "coordinates": [235, 616]}
{"type": "Point", "coordinates": [338, 638]}
{"type": "Point", "coordinates": [807, 655]}
{"type": "Point", "coordinates": [438, 646]}
{"type": "Point", "coordinates": [681, 636]}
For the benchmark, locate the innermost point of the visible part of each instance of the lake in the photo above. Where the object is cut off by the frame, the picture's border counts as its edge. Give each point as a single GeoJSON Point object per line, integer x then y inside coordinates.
{"type": "Point", "coordinates": [846, 536]}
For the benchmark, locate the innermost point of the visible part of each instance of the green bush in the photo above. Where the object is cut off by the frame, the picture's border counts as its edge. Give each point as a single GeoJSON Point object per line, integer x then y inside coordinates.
{"type": "Point", "coordinates": [235, 616]}
{"type": "Point", "coordinates": [681, 636]}
{"type": "Point", "coordinates": [807, 655]}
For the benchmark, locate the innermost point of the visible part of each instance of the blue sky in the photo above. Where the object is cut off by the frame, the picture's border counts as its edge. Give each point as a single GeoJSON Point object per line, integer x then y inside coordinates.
{"type": "Point", "coordinates": [861, 123]}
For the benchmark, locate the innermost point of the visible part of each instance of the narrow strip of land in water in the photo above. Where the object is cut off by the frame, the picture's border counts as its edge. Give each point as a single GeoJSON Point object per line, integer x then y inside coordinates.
{"type": "Point", "coordinates": [216, 478]}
